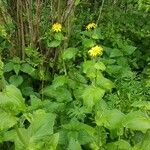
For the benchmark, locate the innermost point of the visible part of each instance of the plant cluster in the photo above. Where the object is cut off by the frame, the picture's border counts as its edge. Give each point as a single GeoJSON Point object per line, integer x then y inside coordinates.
{"type": "Point", "coordinates": [83, 85]}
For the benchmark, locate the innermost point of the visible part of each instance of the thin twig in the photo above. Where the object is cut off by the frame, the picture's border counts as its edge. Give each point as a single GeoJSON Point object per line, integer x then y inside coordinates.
{"type": "Point", "coordinates": [65, 15]}
{"type": "Point", "coordinates": [22, 30]}
{"type": "Point", "coordinates": [100, 12]}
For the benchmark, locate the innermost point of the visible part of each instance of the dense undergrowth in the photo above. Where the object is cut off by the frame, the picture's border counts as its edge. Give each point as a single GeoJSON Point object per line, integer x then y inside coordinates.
{"type": "Point", "coordinates": [85, 84]}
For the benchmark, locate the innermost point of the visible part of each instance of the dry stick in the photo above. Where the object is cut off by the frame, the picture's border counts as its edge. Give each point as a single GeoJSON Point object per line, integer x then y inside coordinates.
{"type": "Point", "coordinates": [70, 5]}
{"type": "Point", "coordinates": [37, 21]}
{"type": "Point", "coordinates": [2, 17]}
{"type": "Point", "coordinates": [18, 26]}
{"type": "Point", "coordinates": [26, 23]}
{"type": "Point", "coordinates": [58, 9]}
{"type": "Point", "coordinates": [22, 31]}
{"type": "Point", "coordinates": [100, 11]}
{"type": "Point", "coordinates": [30, 20]}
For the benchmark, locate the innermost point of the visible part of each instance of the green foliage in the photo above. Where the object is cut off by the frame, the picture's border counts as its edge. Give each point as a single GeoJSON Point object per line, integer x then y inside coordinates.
{"type": "Point", "coordinates": [55, 96]}
{"type": "Point", "coordinates": [7, 120]}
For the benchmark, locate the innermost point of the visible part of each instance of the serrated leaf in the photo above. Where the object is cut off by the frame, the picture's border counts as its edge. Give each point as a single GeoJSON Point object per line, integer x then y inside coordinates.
{"type": "Point", "coordinates": [79, 126]}
{"type": "Point", "coordinates": [59, 81]}
{"type": "Point", "coordinates": [16, 68]}
{"type": "Point", "coordinates": [27, 91]}
{"type": "Point", "coordinates": [145, 144]}
{"type": "Point", "coordinates": [69, 53]}
{"type": "Point", "coordinates": [51, 142]}
{"type": "Point", "coordinates": [142, 104]}
{"type": "Point", "coordinates": [137, 120]}
{"type": "Point", "coordinates": [96, 34]}
{"type": "Point", "coordinates": [111, 119]}
{"type": "Point", "coordinates": [129, 49]}
{"type": "Point", "coordinates": [59, 36]}
{"type": "Point", "coordinates": [7, 120]}
{"type": "Point", "coordinates": [88, 43]}
{"type": "Point", "coordinates": [60, 94]}
{"type": "Point", "coordinates": [91, 95]}
{"type": "Point", "coordinates": [119, 145]}
{"type": "Point", "coordinates": [55, 43]}
{"type": "Point", "coordinates": [74, 145]}
{"type": "Point", "coordinates": [100, 66]}
{"type": "Point", "coordinates": [88, 69]}
{"type": "Point", "coordinates": [8, 67]}
{"type": "Point", "coordinates": [12, 99]}
{"type": "Point", "coordinates": [38, 132]}
{"type": "Point", "coordinates": [35, 102]}
{"type": "Point", "coordinates": [41, 125]}
{"type": "Point", "coordinates": [76, 77]}
{"type": "Point", "coordinates": [115, 53]}
{"type": "Point", "coordinates": [114, 69]}
{"type": "Point", "coordinates": [27, 68]}
{"type": "Point", "coordinates": [104, 82]}
{"type": "Point", "coordinates": [16, 80]}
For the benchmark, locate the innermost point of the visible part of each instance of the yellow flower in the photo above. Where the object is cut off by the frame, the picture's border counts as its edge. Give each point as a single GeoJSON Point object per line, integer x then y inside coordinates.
{"type": "Point", "coordinates": [91, 26]}
{"type": "Point", "coordinates": [95, 51]}
{"type": "Point", "coordinates": [57, 27]}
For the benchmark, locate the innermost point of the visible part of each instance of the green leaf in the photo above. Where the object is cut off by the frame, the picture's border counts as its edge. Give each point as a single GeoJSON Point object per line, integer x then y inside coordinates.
{"type": "Point", "coordinates": [91, 95]}
{"type": "Point", "coordinates": [96, 34]}
{"type": "Point", "coordinates": [79, 126]}
{"type": "Point", "coordinates": [55, 43]}
{"type": "Point", "coordinates": [114, 69]}
{"type": "Point", "coordinates": [7, 120]}
{"type": "Point", "coordinates": [104, 82]}
{"type": "Point", "coordinates": [59, 36]}
{"type": "Point", "coordinates": [145, 144]}
{"type": "Point", "coordinates": [74, 145]}
{"type": "Point", "coordinates": [100, 66]}
{"type": "Point", "coordinates": [9, 135]}
{"type": "Point", "coordinates": [59, 81]}
{"type": "Point", "coordinates": [8, 67]}
{"type": "Point", "coordinates": [69, 53]}
{"type": "Point", "coordinates": [41, 125]}
{"type": "Point", "coordinates": [142, 104]}
{"type": "Point", "coordinates": [27, 91]}
{"type": "Point", "coordinates": [16, 80]}
{"type": "Point", "coordinates": [115, 53]}
{"type": "Point", "coordinates": [16, 68]}
{"type": "Point", "coordinates": [119, 145]}
{"type": "Point", "coordinates": [60, 94]}
{"type": "Point", "coordinates": [111, 119]}
{"type": "Point", "coordinates": [12, 99]}
{"type": "Point", "coordinates": [27, 68]}
{"type": "Point", "coordinates": [93, 146]}
{"type": "Point", "coordinates": [37, 134]}
{"type": "Point", "coordinates": [128, 49]}
{"type": "Point", "coordinates": [84, 138]}
{"type": "Point", "coordinates": [88, 69]}
{"type": "Point", "coordinates": [51, 142]}
{"type": "Point", "coordinates": [88, 43]}
{"type": "Point", "coordinates": [35, 101]}
{"type": "Point", "coordinates": [137, 120]}
{"type": "Point", "coordinates": [76, 77]}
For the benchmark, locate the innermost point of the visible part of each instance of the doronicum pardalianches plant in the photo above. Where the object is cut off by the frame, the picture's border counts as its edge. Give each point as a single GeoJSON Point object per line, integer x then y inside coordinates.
{"type": "Point", "coordinates": [75, 78]}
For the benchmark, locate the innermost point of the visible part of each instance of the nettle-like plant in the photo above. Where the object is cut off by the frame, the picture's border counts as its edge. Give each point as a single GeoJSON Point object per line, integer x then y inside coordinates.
{"type": "Point", "coordinates": [81, 91]}
{"type": "Point", "coordinates": [74, 110]}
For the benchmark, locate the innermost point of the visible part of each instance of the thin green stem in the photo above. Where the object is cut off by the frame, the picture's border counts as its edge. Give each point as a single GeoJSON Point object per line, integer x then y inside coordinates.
{"type": "Point", "coordinates": [64, 65]}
